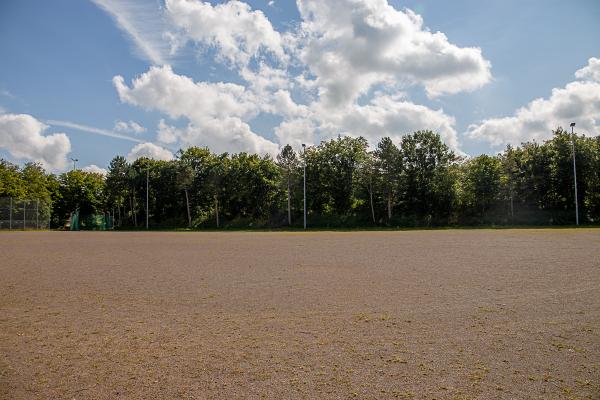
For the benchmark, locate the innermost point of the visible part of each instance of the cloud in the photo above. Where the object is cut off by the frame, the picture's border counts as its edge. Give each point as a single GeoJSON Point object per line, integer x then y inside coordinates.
{"type": "Point", "coordinates": [235, 30]}
{"type": "Point", "coordinates": [384, 115]}
{"type": "Point", "coordinates": [390, 116]}
{"type": "Point", "coordinates": [91, 129]}
{"type": "Point", "coordinates": [94, 169]}
{"type": "Point", "coordinates": [149, 150]}
{"type": "Point", "coordinates": [131, 126]}
{"type": "Point", "coordinates": [578, 102]}
{"type": "Point", "coordinates": [591, 71]}
{"type": "Point", "coordinates": [296, 132]}
{"type": "Point", "coordinates": [343, 70]}
{"type": "Point", "coordinates": [351, 45]}
{"type": "Point", "coordinates": [22, 136]}
{"type": "Point", "coordinates": [144, 23]}
{"type": "Point", "coordinates": [216, 111]}
{"type": "Point", "coordinates": [167, 134]}
{"type": "Point", "coordinates": [178, 96]}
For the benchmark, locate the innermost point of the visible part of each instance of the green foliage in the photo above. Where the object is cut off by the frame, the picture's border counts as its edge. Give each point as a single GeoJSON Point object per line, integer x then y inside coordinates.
{"type": "Point", "coordinates": [427, 184]}
{"type": "Point", "coordinates": [289, 168]}
{"type": "Point", "coordinates": [332, 169]}
{"type": "Point", "coordinates": [78, 190]}
{"type": "Point", "coordinates": [417, 182]}
{"type": "Point", "coordinates": [11, 181]}
{"type": "Point", "coordinates": [482, 186]}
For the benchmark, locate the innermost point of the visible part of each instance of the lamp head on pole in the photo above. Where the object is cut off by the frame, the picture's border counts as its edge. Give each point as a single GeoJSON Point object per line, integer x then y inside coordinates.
{"type": "Point", "coordinates": [572, 124]}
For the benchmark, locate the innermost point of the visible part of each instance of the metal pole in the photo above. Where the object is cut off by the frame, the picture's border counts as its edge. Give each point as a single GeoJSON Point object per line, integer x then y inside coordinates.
{"type": "Point", "coordinates": [147, 185]}
{"type": "Point", "coordinates": [10, 215]}
{"type": "Point", "coordinates": [37, 214]}
{"type": "Point", "coordinates": [575, 174]}
{"type": "Point", "coordinates": [304, 154]}
{"type": "Point", "coordinates": [24, 208]}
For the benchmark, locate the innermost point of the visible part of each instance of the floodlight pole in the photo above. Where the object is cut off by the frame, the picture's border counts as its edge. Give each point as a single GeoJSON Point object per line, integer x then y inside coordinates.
{"type": "Point", "coordinates": [304, 156]}
{"type": "Point", "coordinates": [74, 161]}
{"type": "Point", "coordinates": [147, 186]}
{"type": "Point", "coordinates": [574, 173]}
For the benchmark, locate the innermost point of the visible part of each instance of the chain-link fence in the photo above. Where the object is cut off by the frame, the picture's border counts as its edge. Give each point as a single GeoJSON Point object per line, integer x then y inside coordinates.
{"type": "Point", "coordinates": [23, 214]}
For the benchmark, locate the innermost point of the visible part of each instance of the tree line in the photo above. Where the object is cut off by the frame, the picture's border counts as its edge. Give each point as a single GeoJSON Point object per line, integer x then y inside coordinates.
{"type": "Point", "coordinates": [417, 182]}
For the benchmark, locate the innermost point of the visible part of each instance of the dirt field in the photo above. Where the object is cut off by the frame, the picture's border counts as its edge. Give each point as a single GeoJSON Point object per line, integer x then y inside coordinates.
{"type": "Point", "coordinates": [473, 314]}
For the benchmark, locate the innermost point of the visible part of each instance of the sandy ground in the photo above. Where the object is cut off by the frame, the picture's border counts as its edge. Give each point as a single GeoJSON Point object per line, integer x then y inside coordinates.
{"type": "Point", "coordinates": [467, 314]}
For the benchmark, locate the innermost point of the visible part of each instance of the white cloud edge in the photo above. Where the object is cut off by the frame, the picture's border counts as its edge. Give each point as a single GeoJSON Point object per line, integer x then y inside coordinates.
{"type": "Point", "coordinates": [578, 101]}
{"type": "Point", "coordinates": [94, 169]}
{"type": "Point", "coordinates": [22, 135]}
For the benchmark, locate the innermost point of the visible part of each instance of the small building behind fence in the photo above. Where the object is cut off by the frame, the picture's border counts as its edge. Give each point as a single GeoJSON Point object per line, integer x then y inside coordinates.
{"type": "Point", "coordinates": [23, 214]}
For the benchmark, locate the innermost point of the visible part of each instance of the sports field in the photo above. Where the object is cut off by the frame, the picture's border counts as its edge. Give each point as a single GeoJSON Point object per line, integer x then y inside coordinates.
{"type": "Point", "coordinates": [456, 314]}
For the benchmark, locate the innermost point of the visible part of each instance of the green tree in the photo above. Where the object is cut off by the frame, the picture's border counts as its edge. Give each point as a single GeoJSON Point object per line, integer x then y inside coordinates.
{"type": "Point", "coordinates": [251, 187]}
{"type": "Point", "coordinates": [388, 161]}
{"type": "Point", "coordinates": [368, 178]}
{"type": "Point", "coordinates": [81, 191]}
{"type": "Point", "coordinates": [590, 148]}
{"type": "Point", "coordinates": [428, 184]}
{"type": "Point", "coordinates": [117, 185]}
{"type": "Point", "coordinates": [11, 180]}
{"type": "Point", "coordinates": [332, 170]}
{"type": "Point", "coordinates": [289, 164]}
{"type": "Point", "coordinates": [482, 184]}
{"type": "Point", "coordinates": [38, 188]}
{"type": "Point", "coordinates": [185, 180]}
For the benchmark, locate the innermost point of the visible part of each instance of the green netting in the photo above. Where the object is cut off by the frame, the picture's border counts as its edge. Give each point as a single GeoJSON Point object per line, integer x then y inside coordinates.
{"type": "Point", "coordinates": [74, 225]}
{"type": "Point", "coordinates": [93, 222]}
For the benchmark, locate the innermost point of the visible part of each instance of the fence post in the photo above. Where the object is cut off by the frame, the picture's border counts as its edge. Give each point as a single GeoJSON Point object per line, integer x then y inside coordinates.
{"type": "Point", "coordinates": [10, 215]}
{"type": "Point", "coordinates": [37, 214]}
{"type": "Point", "coordinates": [24, 208]}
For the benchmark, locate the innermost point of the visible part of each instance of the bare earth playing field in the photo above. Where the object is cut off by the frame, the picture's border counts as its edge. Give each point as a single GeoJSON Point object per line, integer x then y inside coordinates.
{"type": "Point", "coordinates": [486, 314]}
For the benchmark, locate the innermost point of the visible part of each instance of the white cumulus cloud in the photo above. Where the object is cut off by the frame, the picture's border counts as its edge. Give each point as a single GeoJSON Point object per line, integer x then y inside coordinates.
{"type": "Point", "coordinates": [295, 132]}
{"type": "Point", "coordinates": [22, 136]}
{"type": "Point", "coordinates": [578, 102]}
{"type": "Point", "coordinates": [351, 45]}
{"type": "Point", "coordinates": [591, 71]}
{"type": "Point", "coordinates": [216, 111]}
{"type": "Point", "coordinates": [343, 70]}
{"type": "Point", "coordinates": [393, 117]}
{"type": "Point", "coordinates": [94, 169]}
{"type": "Point", "coordinates": [149, 150]}
{"type": "Point", "coordinates": [235, 30]}
{"type": "Point", "coordinates": [129, 127]}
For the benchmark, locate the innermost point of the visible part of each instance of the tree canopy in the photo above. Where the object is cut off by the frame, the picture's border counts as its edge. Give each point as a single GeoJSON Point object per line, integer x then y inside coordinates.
{"type": "Point", "coordinates": [419, 181]}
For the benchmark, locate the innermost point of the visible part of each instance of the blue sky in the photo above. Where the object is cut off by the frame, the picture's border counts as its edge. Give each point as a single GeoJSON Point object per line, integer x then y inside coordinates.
{"type": "Point", "coordinates": [60, 60]}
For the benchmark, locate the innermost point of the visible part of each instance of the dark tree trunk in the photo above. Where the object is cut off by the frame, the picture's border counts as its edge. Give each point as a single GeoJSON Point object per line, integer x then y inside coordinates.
{"type": "Point", "coordinates": [217, 209]}
{"type": "Point", "coordinates": [187, 202]}
{"type": "Point", "coordinates": [371, 197]}
{"type": "Point", "coordinates": [289, 201]}
{"type": "Point", "coordinates": [134, 210]}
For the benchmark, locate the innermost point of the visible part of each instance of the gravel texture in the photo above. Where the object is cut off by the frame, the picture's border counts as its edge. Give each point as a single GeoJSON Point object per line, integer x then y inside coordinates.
{"type": "Point", "coordinates": [450, 314]}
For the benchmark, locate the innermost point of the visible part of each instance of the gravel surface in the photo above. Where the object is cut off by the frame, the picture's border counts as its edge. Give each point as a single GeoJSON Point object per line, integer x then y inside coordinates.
{"type": "Point", "coordinates": [450, 314]}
